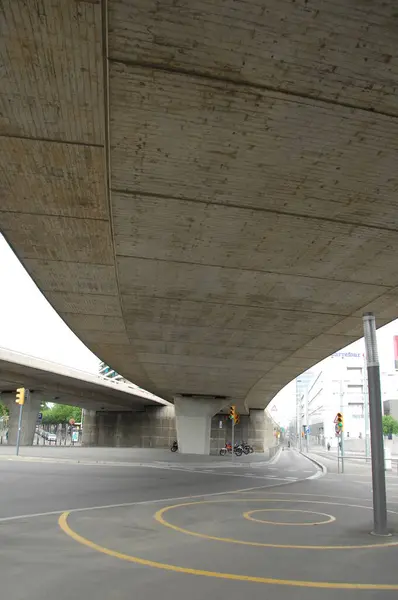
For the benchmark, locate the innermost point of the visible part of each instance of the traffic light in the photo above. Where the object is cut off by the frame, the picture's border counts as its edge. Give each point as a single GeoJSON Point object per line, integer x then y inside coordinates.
{"type": "Point", "coordinates": [340, 421]}
{"type": "Point", "coordinates": [237, 418]}
{"type": "Point", "coordinates": [20, 396]}
{"type": "Point", "coordinates": [232, 413]}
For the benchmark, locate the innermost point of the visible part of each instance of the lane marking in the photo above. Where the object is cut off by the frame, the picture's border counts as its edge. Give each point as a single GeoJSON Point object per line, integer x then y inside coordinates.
{"type": "Point", "coordinates": [126, 504]}
{"type": "Point", "coordinates": [141, 502]}
{"type": "Point", "coordinates": [389, 499]}
{"type": "Point", "coordinates": [248, 515]}
{"type": "Point", "coordinates": [64, 525]}
{"type": "Point", "coordinates": [158, 516]}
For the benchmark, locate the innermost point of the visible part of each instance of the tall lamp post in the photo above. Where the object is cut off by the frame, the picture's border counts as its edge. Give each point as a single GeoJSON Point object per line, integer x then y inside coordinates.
{"type": "Point", "coordinates": [376, 426]}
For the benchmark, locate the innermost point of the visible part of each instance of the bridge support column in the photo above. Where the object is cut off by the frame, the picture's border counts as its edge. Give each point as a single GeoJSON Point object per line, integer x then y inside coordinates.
{"type": "Point", "coordinates": [90, 428]}
{"type": "Point", "coordinates": [193, 421]}
{"type": "Point", "coordinates": [29, 419]}
{"type": "Point", "coordinates": [260, 432]}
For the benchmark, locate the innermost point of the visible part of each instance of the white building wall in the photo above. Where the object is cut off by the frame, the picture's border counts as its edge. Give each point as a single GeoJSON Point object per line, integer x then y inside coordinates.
{"type": "Point", "coordinates": [337, 386]}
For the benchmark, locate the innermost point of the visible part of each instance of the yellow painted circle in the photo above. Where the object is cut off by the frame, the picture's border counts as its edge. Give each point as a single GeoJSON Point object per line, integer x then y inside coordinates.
{"type": "Point", "coordinates": [248, 515]}
{"type": "Point", "coordinates": [64, 525]}
{"type": "Point", "coordinates": [159, 516]}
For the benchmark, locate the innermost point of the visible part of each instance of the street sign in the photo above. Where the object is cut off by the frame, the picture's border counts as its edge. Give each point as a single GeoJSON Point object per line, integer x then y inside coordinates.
{"type": "Point", "coordinates": [39, 416]}
{"type": "Point", "coordinates": [308, 430]}
{"type": "Point", "coordinates": [220, 424]}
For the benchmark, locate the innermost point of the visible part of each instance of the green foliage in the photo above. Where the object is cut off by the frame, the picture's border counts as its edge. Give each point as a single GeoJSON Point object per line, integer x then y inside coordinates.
{"type": "Point", "coordinates": [390, 425]}
{"type": "Point", "coordinates": [61, 413]}
{"type": "Point", "coordinates": [3, 410]}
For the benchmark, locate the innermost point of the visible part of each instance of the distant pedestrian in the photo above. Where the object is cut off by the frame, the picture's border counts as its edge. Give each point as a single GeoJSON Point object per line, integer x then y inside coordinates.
{"type": "Point", "coordinates": [328, 446]}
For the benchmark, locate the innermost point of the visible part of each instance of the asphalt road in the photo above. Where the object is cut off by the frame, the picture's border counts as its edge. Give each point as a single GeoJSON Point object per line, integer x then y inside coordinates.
{"type": "Point", "coordinates": [189, 529]}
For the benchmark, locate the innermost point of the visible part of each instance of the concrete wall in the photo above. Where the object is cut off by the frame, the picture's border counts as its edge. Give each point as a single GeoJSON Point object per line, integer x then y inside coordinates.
{"type": "Point", "coordinates": [152, 428]}
{"type": "Point", "coordinates": [255, 428]}
{"type": "Point", "coordinates": [155, 428]}
{"type": "Point", "coordinates": [29, 418]}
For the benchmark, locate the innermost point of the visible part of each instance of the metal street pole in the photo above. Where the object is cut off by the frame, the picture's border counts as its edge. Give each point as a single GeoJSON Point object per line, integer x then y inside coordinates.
{"type": "Point", "coordinates": [20, 425]}
{"type": "Point", "coordinates": [297, 420]}
{"type": "Point", "coordinates": [306, 421]}
{"type": "Point", "coordinates": [342, 429]}
{"type": "Point", "coordinates": [233, 439]}
{"type": "Point", "coordinates": [376, 426]}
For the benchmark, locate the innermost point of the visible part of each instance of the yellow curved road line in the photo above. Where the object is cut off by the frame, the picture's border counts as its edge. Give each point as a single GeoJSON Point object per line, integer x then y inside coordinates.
{"type": "Point", "coordinates": [63, 523]}
{"type": "Point", "coordinates": [248, 515]}
{"type": "Point", "coordinates": [159, 517]}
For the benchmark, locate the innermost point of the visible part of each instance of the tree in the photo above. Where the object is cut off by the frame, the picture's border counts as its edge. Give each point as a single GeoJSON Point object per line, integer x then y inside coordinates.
{"type": "Point", "coordinates": [61, 413]}
{"type": "Point", "coordinates": [3, 410]}
{"type": "Point", "coordinates": [390, 425]}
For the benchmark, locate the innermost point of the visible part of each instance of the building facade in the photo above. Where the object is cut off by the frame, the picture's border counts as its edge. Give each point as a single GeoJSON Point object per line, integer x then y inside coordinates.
{"type": "Point", "coordinates": [110, 373]}
{"type": "Point", "coordinates": [339, 384]}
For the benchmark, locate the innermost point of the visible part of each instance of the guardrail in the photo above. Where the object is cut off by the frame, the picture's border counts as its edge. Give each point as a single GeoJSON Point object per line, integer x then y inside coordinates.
{"type": "Point", "coordinates": [368, 459]}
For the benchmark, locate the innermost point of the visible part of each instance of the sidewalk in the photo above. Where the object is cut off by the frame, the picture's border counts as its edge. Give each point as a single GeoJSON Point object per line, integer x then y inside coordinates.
{"type": "Point", "coordinates": [353, 463]}
{"type": "Point", "coordinates": [128, 456]}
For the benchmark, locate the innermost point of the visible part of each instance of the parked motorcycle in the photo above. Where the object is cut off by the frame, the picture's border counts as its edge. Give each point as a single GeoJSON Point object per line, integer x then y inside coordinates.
{"type": "Point", "coordinates": [238, 450]}
{"type": "Point", "coordinates": [174, 447]}
{"type": "Point", "coordinates": [247, 449]}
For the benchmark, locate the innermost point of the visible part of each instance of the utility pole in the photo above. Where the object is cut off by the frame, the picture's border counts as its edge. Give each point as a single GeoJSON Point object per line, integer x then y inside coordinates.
{"type": "Point", "coordinates": [21, 395]}
{"type": "Point", "coordinates": [298, 416]}
{"type": "Point", "coordinates": [376, 426]}
{"type": "Point", "coordinates": [233, 439]}
{"type": "Point", "coordinates": [306, 421]}
{"type": "Point", "coordinates": [342, 429]}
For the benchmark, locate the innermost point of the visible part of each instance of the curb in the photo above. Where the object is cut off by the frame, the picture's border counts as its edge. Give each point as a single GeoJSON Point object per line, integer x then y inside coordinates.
{"type": "Point", "coordinates": [275, 458]}
{"type": "Point", "coordinates": [317, 463]}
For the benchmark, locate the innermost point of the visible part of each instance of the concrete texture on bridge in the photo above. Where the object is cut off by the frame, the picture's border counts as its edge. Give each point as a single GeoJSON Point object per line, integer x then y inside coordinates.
{"type": "Point", "coordinates": [205, 193]}
{"type": "Point", "coordinates": [52, 382]}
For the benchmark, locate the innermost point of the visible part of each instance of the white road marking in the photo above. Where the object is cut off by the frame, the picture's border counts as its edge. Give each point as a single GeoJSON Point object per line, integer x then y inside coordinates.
{"type": "Point", "coordinates": [142, 502]}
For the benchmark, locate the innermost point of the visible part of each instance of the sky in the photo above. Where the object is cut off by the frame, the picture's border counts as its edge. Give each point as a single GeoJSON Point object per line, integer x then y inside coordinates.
{"type": "Point", "coordinates": [28, 324]}
{"type": "Point", "coordinates": [283, 406]}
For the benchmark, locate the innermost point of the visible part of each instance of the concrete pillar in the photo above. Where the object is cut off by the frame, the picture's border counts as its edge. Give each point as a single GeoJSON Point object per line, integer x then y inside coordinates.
{"type": "Point", "coordinates": [260, 431]}
{"type": "Point", "coordinates": [90, 428]}
{"type": "Point", "coordinates": [30, 411]}
{"type": "Point", "coordinates": [193, 422]}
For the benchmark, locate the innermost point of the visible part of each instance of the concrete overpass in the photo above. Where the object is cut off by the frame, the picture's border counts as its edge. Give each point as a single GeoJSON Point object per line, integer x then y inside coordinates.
{"type": "Point", "coordinates": [205, 194]}
{"type": "Point", "coordinates": [51, 382]}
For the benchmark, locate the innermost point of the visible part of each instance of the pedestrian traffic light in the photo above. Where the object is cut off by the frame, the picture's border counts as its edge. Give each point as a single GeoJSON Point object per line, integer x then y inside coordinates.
{"type": "Point", "coordinates": [339, 420]}
{"type": "Point", "coordinates": [20, 396]}
{"type": "Point", "coordinates": [232, 413]}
